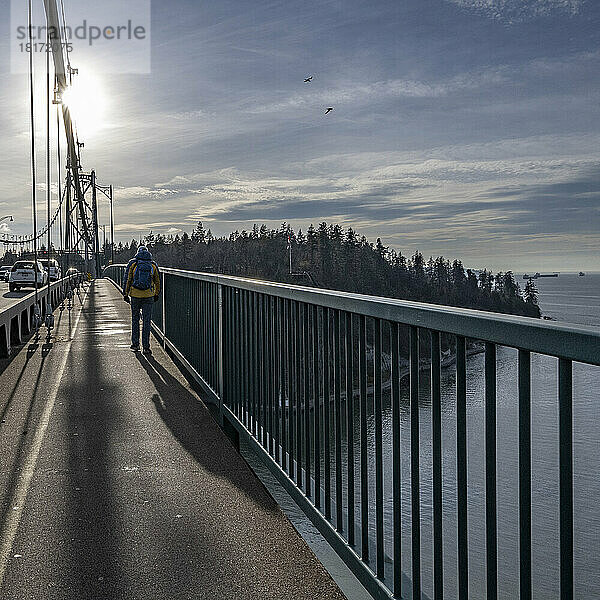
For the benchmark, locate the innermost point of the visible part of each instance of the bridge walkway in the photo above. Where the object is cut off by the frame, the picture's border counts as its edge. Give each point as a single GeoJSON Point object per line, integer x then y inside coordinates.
{"type": "Point", "coordinates": [116, 483]}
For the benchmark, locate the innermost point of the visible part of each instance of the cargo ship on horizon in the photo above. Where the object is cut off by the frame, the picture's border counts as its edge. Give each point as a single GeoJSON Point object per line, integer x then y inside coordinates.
{"type": "Point", "coordinates": [538, 275]}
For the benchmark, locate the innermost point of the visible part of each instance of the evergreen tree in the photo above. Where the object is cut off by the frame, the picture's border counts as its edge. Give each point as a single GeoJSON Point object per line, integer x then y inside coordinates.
{"type": "Point", "coordinates": [531, 293]}
{"type": "Point", "coordinates": [199, 235]}
{"type": "Point", "coordinates": [418, 265]}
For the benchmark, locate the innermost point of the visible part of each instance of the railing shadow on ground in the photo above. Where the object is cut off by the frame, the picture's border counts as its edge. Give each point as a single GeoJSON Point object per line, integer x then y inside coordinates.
{"type": "Point", "coordinates": [15, 470]}
{"type": "Point", "coordinates": [31, 349]}
{"type": "Point", "coordinates": [32, 342]}
{"type": "Point", "coordinates": [194, 427]}
{"type": "Point", "coordinates": [91, 521]}
{"type": "Point", "coordinates": [103, 522]}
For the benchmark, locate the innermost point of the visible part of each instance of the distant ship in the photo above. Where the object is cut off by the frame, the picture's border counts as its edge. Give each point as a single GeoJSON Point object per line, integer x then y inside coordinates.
{"type": "Point", "coordinates": [538, 275]}
{"type": "Point", "coordinates": [581, 274]}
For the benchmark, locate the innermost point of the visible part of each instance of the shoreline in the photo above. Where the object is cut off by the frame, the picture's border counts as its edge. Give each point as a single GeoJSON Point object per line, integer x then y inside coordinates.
{"type": "Point", "coordinates": [446, 362]}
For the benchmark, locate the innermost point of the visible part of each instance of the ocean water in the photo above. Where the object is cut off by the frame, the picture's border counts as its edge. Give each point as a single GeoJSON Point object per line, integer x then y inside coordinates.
{"type": "Point", "coordinates": [571, 298]}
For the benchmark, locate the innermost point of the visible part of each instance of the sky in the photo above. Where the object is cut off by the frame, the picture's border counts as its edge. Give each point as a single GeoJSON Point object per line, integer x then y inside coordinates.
{"type": "Point", "coordinates": [463, 128]}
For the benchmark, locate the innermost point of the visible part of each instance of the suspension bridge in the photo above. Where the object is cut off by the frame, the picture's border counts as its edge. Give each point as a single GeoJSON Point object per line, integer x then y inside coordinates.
{"type": "Point", "coordinates": [121, 475]}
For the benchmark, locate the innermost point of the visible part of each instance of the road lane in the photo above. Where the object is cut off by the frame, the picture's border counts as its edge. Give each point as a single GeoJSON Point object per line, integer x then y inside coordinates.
{"type": "Point", "coordinates": [8, 298]}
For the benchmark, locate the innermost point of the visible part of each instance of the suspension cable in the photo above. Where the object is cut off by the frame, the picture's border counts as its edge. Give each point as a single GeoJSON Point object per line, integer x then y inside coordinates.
{"type": "Point", "coordinates": [26, 240]}
{"type": "Point", "coordinates": [59, 168]}
{"type": "Point", "coordinates": [48, 167]}
{"type": "Point", "coordinates": [33, 174]}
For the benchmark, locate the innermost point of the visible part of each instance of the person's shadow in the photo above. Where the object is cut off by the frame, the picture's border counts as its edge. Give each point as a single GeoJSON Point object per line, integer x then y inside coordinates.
{"type": "Point", "coordinates": [191, 423]}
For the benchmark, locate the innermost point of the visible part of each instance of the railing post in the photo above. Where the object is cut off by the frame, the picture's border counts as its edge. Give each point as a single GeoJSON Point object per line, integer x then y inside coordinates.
{"type": "Point", "coordinates": [491, 519]}
{"type": "Point", "coordinates": [164, 309]}
{"type": "Point", "coordinates": [461, 467]}
{"type": "Point", "coordinates": [414, 463]}
{"type": "Point", "coordinates": [565, 437]}
{"type": "Point", "coordinates": [220, 357]}
{"type": "Point", "coordinates": [525, 474]}
{"type": "Point", "coordinates": [437, 487]}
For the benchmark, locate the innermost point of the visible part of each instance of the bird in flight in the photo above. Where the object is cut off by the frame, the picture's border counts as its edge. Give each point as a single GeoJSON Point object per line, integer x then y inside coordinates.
{"type": "Point", "coordinates": [329, 109]}
{"type": "Point", "coordinates": [308, 79]}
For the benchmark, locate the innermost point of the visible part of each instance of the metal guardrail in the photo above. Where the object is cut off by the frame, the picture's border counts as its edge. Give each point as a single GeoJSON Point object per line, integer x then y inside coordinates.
{"type": "Point", "coordinates": [17, 320]}
{"type": "Point", "coordinates": [285, 365]}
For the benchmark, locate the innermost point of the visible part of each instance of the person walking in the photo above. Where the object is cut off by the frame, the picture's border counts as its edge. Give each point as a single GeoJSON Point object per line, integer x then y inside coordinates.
{"type": "Point", "coordinates": [141, 288]}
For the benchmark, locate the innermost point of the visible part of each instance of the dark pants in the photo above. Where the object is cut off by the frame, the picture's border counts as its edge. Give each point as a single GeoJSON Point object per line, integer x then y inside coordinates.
{"type": "Point", "coordinates": [145, 305]}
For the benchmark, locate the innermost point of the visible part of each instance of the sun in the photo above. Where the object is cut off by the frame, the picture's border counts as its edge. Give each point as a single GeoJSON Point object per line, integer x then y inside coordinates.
{"type": "Point", "coordinates": [87, 102]}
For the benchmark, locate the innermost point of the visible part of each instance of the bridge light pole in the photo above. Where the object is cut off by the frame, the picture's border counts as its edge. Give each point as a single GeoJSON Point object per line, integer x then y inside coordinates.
{"type": "Point", "coordinates": [107, 190]}
{"type": "Point", "coordinates": [95, 223]}
{"type": "Point", "coordinates": [112, 228]}
{"type": "Point", "coordinates": [103, 227]}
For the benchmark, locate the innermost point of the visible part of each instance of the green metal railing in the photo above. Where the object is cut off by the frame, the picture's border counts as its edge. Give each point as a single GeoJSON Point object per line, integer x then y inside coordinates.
{"type": "Point", "coordinates": [289, 367]}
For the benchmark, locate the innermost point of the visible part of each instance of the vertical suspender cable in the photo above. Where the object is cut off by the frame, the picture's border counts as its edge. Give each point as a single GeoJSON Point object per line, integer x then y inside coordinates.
{"type": "Point", "coordinates": [58, 181]}
{"type": "Point", "coordinates": [33, 177]}
{"type": "Point", "coordinates": [48, 172]}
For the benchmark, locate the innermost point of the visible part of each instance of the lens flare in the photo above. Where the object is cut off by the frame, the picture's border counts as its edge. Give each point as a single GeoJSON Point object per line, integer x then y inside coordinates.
{"type": "Point", "coordinates": [87, 103]}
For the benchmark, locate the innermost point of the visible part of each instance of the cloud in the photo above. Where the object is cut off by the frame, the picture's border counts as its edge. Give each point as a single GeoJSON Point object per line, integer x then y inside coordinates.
{"type": "Point", "coordinates": [145, 227]}
{"type": "Point", "coordinates": [134, 192]}
{"type": "Point", "coordinates": [183, 182]}
{"type": "Point", "coordinates": [474, 195]}
{"type": "Point", "coordinates": [189, 115]}
{"type": "Point", "coordinates": [513, 11]}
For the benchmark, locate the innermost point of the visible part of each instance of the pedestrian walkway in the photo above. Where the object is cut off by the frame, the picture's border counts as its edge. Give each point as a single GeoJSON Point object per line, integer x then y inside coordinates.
{"type": "Point", "coordinates": [116, 483]}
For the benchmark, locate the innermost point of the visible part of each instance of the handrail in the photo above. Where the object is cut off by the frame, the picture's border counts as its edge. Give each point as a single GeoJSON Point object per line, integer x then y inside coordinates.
{"type": "Point", "coordinates": [579, 343]}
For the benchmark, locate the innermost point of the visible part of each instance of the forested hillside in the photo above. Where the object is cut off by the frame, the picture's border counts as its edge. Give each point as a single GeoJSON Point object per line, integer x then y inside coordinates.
{"type": "Point", "coordinates": [339, 259]}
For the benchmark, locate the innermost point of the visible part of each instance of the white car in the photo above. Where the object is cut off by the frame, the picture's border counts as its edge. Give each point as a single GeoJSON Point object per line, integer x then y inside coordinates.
{"type": "Point", "coordinates": [24, 274]}
{"type": "Point", "coordinates": [5, 272]}
{"type": "Point", "coordinates": [53, 269]}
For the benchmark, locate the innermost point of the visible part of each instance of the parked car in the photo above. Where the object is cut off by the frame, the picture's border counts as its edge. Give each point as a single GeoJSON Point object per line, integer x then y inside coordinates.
{"type": "Point", "coordinates": [53, 268]}
{"type": "Point", "coordinates": [24, 274]}
{"type": "Point", "coordinates": [5, 272]}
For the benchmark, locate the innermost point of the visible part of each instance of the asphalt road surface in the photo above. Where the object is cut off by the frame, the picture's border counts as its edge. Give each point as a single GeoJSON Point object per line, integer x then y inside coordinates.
{"type": "Point", "coordinates": [116, 483]}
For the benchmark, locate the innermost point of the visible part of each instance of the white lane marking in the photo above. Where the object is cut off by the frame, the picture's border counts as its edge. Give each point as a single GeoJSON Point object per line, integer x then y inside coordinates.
{"type": "Point", "coordinates": [11, 525]}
